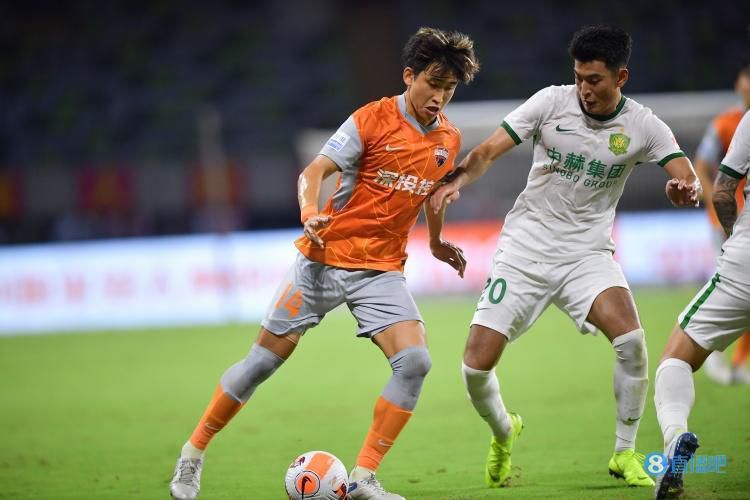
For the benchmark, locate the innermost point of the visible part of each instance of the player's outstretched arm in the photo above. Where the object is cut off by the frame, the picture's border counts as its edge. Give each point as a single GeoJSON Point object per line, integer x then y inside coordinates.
{"type": "Point", "coordinates": [725, 202]}
{"type": "Point", "coordinates": [683, 189]}
{"type": "Point", "coordinates": [441, 249]}
{"type": "Point", "coordinates": [472, 167]}
{"type": "Point", "coordinates": [308, 193]}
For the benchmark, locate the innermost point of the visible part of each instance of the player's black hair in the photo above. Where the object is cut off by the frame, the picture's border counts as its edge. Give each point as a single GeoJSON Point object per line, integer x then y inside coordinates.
{"type": "Point", "coordinates": [450, 50]}
{"type": "Point", "coordinates": [608, 44]}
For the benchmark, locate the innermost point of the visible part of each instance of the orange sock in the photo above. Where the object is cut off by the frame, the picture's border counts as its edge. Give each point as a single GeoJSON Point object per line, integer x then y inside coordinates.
{"type": "Point", "coordinates": [741, 350]}
{"type": "Point", "coordinates": [387, 423]}
{"type": "Point", "coordinates": [219, 412]}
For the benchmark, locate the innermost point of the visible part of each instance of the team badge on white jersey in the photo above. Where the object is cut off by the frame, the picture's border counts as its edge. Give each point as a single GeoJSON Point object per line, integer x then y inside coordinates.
{"type": "Point", "coordinates": [618, 143]}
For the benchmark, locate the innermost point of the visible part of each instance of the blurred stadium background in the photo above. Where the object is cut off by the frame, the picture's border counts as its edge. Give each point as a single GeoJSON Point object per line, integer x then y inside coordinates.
{"type": "Point", "coordinates": [152, 119]}
{"type": "Point", "coordinates": [149, 152]}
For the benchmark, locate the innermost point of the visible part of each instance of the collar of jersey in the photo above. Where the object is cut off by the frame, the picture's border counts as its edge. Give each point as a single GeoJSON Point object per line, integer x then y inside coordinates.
{"type": "Point", "coordinates": [413, 121]}
{"type": "Point", "coordinates": [604, 118]}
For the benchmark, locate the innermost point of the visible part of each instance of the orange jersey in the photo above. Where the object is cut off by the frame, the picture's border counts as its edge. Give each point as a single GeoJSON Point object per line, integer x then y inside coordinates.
{"type": "Point", "coordinates": [378, 198]}
{"type": "Point", "coordinates": [725, 125]}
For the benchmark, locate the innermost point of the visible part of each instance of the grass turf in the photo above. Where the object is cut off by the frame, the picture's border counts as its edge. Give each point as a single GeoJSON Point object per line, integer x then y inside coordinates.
{"type": "Point", "coordinates": [103, 415]}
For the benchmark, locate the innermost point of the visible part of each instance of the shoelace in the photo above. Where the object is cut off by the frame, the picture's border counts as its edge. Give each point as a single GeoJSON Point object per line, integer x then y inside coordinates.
{"type": "Point", "coordinates": [186, 472]}
{"type": "Point", "coordinates": [372, 481]}
{"type": "Point", "coordinates": [639, 459]}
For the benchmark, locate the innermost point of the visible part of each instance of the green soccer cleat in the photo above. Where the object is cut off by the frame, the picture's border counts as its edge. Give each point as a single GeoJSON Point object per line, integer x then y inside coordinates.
{"type": "Point", "coordinates": [628, 465]}
{"type": "Point", "coordinates": [497, 472]}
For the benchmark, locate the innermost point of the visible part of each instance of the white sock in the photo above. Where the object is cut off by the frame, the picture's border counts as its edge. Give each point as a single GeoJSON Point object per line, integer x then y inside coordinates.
{"type": "Point", "coordinates": [359, 472]}
{"type": "Point", "coordinates": [630, 385]}
{"type": "Point", "coordinates": [484, 393]}
{"type": "Point", "coordinates": [673, 397]}
{"type": "Point", "coordinates": [190, 451]}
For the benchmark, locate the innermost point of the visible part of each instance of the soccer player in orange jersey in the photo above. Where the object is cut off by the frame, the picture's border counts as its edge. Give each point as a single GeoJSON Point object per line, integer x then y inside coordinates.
{"type": "Point", "coordinates": [392, 154]}
{"type": "Point", "coordinates": [711, 150]}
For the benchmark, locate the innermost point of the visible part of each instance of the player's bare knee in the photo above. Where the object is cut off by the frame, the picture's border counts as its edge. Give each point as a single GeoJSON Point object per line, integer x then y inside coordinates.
{"type": "Point", "coordinates": [242, 378]}
{"type": "Point", "coordinates": [631, 352]}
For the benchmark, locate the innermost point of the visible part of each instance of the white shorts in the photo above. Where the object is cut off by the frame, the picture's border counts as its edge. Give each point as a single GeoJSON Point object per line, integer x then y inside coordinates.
{"type": "Point", "coordinates": [519, 290]}
{"type": "Point", "coordinates": [718, 314]}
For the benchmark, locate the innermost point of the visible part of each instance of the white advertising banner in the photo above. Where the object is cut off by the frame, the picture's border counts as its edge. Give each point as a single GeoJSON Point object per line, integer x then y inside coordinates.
{"type": "Point", "coordinates": [215, 279]}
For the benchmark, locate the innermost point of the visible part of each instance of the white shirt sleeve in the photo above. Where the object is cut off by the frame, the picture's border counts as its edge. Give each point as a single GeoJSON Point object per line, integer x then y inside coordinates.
{"type": "Point", "coordinates": [525, 121]}
{"type": "Point", "coordinates": [344, 147]}
{"type": "Point", "coordinates": [736, 163]}
{"type": "Point", "coordinates": [661, 146]}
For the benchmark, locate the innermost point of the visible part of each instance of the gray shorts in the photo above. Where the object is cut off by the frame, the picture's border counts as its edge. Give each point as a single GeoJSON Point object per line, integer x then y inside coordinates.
{"type": "Point", "coordinates": [377, 299]}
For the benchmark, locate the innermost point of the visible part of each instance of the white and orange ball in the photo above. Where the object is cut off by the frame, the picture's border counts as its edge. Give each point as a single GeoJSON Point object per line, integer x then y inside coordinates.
{"type": "Point", "coordinates": [316, 475]}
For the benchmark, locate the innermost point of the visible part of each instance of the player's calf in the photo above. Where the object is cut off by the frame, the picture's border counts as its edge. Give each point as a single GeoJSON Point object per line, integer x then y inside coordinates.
{"type": "Point", "coordinates": [630, 386]}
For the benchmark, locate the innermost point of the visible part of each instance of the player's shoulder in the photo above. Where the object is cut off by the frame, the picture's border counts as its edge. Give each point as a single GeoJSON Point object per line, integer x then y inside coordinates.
{"type": "Point", "coordinates": [734, 112]}
{"type": "Point", "coordinates": [558, 92]}
{"type": "Point", "coordinates": [639, 113]}
{"type": "Point", "coordinates": [558, 96]}
{"type": "Point", "coordinates": [386, 105]}
{"type": "Point", "coordinates": [729, 118]}
{"type": "Point", "coordinates": [373, 116]}
{"type": "Point", "coordinates": [448, 125]}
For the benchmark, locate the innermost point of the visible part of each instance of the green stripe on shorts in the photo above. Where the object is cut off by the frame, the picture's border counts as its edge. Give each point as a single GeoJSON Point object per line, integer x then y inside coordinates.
{"type": "Point", "coordinates": [699, 301]}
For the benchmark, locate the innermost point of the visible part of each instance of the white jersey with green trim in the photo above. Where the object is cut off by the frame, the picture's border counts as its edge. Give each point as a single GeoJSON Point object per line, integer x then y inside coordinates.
{"type": "Point", "coordinates": [734, 262]}
{"type": "Point", "coordinates": [580, 165]}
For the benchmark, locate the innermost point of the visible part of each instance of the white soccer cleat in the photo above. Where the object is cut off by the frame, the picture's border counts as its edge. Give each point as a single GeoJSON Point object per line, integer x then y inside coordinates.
{"type": "Point", "coordinates": [369, 488]}
{"type": "Point", "coordinates": [186, 482]}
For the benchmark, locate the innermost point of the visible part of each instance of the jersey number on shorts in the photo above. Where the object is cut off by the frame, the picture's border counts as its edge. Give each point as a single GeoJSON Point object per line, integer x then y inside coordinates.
{"type": "Point", "coordinates": [496, 290]}
{"type": "Point", "coordinates": [293, 303]}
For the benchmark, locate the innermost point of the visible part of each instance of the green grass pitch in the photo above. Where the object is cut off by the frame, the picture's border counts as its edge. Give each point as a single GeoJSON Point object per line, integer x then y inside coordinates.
{"type": "Point", "coordinates": [104, 415]}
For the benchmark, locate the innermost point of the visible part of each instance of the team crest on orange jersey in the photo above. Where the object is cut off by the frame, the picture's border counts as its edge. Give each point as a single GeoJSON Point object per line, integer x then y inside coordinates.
{"type": "Point", "coordinates": [441, 155]}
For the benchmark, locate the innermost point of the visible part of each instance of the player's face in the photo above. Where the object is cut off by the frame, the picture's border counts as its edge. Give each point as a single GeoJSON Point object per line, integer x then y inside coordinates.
{"type": "Point", "coordinates": [598, 87]}
{"type": "Point", "coordinates": [428, 92]}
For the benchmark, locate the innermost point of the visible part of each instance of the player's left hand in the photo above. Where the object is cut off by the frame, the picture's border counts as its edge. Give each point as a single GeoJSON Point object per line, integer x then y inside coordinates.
{"type": "Point", "coordinates": [682, 194]}
{"type": "Point", "coordinates": [451, 254]}
{"type": "Point", "coordinates": [313, 225]}
{"type": "Point", "coordinates": [445, 194]}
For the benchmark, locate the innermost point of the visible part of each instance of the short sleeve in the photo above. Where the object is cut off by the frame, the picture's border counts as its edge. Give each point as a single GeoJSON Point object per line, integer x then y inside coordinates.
{"type": "Point", "coordinates": [661, 146]}
{"type": "Point", "coordinates": [736, 163]}
{"type": "Point", "coordinates": [344, 147]}
{"type": "Point", "coordinates": [525, 121]}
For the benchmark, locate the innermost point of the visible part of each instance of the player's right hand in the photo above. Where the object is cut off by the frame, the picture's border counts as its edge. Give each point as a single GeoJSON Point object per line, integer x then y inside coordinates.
{"type": "Point", "coordinates": [313, 225]}
{"type": "Point", "coordinates": [447, 193]}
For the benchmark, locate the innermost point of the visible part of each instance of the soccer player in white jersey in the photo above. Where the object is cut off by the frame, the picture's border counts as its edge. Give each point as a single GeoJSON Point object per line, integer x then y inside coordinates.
{"type": "Point", "coordinates": [717, 316]}
{"type": "Point", "coordinates": [556, 244]}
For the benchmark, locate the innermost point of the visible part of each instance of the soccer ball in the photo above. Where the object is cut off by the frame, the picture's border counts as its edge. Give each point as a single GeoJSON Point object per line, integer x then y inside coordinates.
{"type": "Point", "coordinates": [316, 475]}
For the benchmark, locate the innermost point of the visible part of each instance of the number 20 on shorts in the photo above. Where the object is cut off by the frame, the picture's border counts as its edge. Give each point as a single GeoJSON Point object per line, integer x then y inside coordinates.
{"type": "Point", "coordinates": [494, 289]}
{"type": "Point", "coordinates": [293, 303]}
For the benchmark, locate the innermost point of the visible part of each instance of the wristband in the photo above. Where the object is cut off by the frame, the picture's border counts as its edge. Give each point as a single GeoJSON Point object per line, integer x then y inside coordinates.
{"type": "Point", "coordinates": [307, 212]}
